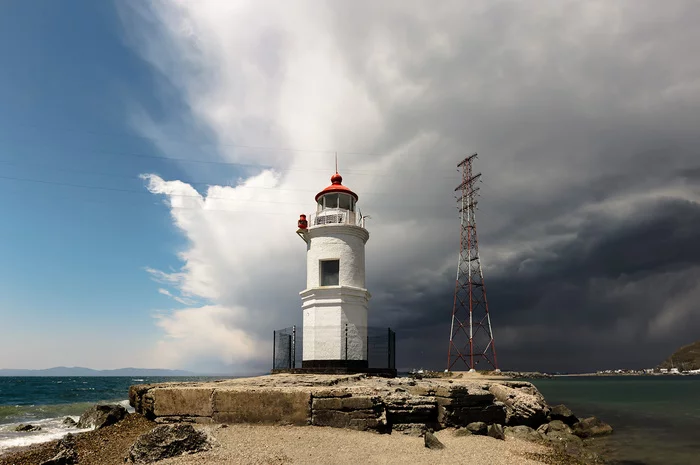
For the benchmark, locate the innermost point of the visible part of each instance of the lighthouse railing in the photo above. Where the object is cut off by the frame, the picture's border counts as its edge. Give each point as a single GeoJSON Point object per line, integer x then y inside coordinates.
{"type": "Point", "coordinates": [376, 345]}
{"type": "Point", "coordinates": [335, 216]}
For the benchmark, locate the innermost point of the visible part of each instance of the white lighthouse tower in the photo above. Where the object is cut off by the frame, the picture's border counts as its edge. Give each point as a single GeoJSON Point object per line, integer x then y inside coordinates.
{"type": "Point", "coordinates": [335, 300]}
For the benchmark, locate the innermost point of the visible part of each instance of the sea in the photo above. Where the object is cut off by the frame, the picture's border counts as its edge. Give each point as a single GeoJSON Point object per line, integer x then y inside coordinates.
{"type": "Point", "coordinates": [47, 401]}
{"type": "Point", "coordinates": [656, 418]}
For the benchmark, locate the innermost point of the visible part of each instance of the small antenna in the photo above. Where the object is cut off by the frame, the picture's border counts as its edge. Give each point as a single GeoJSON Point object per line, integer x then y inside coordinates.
{"type": "Point", "coordinates": [336, 162]}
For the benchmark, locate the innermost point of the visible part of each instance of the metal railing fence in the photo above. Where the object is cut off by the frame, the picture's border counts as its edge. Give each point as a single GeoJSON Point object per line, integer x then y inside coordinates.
{"type": "Point", "coordinates": [377, 345]}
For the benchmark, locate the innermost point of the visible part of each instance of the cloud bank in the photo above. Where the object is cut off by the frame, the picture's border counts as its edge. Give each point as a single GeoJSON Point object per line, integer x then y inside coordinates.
{"type": "Point", "coordinates": [584, 115]}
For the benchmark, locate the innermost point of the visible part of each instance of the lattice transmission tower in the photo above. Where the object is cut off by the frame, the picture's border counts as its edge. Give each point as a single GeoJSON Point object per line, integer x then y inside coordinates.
{"type": "Point", "coordinates": [471, 337]}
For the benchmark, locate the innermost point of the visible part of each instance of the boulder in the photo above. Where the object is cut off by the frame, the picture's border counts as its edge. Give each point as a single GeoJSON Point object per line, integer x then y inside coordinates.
{"type": "Point", "coordinates": [27, 428]}
{"type": "Point", "coordinates": [66, 453]}
{"type": "Point", "coordinates": [101, 415]}
{"type": "Point", "coordinates": [558, 425]}
{"type": "Point", "coordinates": [577, 451]}
{"type": "Point", "coordinates": [562, 412]}
{"type": "Point", "coordinates": [522, 432]}
{"type": "Point", "coordinates": [431, 442]}
{"type": "Point", "coordinates": [591, 427]}
{"type": "Point", "coordinates": [69, 422]}
{"type": "Point", "coordinates": [561, 437]}
{"type": "Point", "coordinates": [460, 432]}
{"type": "Point", "coordinates": [496, 432]}
{"type": "Point", "coordinates": [166, 441]}
{"type": "Point", "coordinates": [524, 403]}
{"type": "Point", "coordinates": [478, 427]}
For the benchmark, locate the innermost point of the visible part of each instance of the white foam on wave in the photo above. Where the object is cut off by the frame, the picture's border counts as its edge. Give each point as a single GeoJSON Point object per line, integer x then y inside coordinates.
{"type": "Point", "coordinates": [51, 429]}
{"type": "Point", "coordinates": [127, 406]}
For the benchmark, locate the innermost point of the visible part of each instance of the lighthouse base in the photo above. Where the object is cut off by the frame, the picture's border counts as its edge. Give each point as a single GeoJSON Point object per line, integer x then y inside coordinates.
{"type": "Point", "coordinates": [335, 327]}
{"type": "Point", "coordinates": [352, 365]}
{"type": "Point", "coordinates": [385, 372]}
{"type": "Point", "coordinates": [341, 367]}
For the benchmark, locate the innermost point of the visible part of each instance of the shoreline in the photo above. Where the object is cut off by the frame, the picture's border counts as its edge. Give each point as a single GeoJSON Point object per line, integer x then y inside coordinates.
{"type": "Point", "coordinates": [244, 443]}
{"type": "Point", "coordinates": [341, 409]}
{"type": "Point", "coordinates": [573, 375]}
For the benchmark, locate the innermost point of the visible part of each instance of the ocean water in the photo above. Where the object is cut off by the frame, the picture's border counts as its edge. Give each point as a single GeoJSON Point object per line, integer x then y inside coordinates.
{"type": "Point", "coordinates": [47, 401]}
{"type": "Point", "coordinates": [656, 419]}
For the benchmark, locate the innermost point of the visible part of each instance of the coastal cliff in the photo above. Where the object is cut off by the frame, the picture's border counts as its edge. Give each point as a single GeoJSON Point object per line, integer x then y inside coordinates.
{"type": "Point", "coordinates": [686, 358]}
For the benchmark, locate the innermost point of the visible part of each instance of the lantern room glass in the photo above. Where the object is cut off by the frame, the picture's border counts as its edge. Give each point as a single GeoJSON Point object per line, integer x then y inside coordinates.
{"type": "Point", "coordinates": [336, 200]}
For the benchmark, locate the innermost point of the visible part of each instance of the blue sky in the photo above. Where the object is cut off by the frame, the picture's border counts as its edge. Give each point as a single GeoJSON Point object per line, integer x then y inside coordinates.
{"type": "Point", "coordinates": [73, 258]}
{"type": "Point", "coordinates": [233, 111]}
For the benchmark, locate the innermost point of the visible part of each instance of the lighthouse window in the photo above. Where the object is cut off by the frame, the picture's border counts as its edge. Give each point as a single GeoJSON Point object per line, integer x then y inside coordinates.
{"type": "Point", "coordinates": [330, 270]}
{"type": "Point", "coordinates": [345, 203]}
{"type": "Point", "coordinates": [331, 201]}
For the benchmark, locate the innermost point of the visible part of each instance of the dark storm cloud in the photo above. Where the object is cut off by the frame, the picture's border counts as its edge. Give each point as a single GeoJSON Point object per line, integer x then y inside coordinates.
{"type": "Point", "coordinates": [586, 304]}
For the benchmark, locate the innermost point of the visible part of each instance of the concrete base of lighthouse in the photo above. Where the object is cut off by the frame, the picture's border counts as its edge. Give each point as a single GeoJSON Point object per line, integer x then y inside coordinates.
{"type": "Point", "coordinates": [335, 329]}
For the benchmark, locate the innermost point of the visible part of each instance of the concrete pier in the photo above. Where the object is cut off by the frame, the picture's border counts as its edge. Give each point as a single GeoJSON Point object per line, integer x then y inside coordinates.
{"type": "Point", "coordinates": [357, 401]}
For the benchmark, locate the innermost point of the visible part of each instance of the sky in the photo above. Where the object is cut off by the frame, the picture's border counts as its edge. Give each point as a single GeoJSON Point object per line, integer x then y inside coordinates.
{"type": "Point", "coordinates": [155, 156]}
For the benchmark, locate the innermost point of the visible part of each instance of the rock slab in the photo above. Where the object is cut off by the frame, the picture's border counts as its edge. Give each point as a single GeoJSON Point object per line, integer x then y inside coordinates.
{"type": "Point", "coordinates": [591, 427]}
{"type": "Point", "coordinates": [478, 427]}
{"type": "Point", "coordinates": [167, 441]}
{"type": "Point", "coordinates": [431, 442]}
{"type": "Point", "coordinates": [496, 432]}
{"type": "Point", "coordinates": [101, 415]}
{"type": "Point", "coordinates": [27, 428]}
{"type": "Point", "coordinates": [522, 432]}
{"type": "Point", "coordinates": [563, 413]}
{"type": "Point", "coordinates": [524, 403]}
{"type": "Point", "coordinates": [66, 453]}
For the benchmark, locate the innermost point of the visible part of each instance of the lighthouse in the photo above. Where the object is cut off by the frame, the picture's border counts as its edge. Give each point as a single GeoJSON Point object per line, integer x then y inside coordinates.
{"type": "Point", "coordinates": [335, 301]}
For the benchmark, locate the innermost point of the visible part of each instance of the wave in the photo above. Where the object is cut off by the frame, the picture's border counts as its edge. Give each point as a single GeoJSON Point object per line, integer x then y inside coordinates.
{"type": "Point", "coordinates": [30, 413]}
{"type": "Point", "coordinates": [10, 414]}
{"type": "Point", "coordinates": [49, 417]}
{"type": "Point", "coordinates": [51, 429]}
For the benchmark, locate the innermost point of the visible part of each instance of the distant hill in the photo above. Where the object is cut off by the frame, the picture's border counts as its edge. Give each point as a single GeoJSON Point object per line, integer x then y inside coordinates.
{"type": "Point", "coordinates": [80, 371]}
{"type": "Point", "coordinates": [685, 358]}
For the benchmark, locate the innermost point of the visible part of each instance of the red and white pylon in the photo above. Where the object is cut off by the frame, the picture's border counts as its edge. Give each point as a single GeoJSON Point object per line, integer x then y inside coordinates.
{"type": "Point", "coordinates": [471, 337]}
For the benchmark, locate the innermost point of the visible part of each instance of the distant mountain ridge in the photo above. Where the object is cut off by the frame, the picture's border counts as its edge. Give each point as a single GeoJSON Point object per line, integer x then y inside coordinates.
{"type": "Point", "coordinates": [81, 371]}
{"type": "Point", "coordinates": [685, 358]}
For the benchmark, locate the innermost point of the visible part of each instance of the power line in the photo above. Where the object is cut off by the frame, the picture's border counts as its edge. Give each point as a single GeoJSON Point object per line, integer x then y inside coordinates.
{"type": "Point", "coordinates": [132, 177]}
{"type": "Point", "coordinates": [357, 172]}
{"type": "Point", "coordinates": [134, 191]}
{"type": "Point", "coordinates": [181, 140]}
{"type": "Point", "coordinates": [198, 196]}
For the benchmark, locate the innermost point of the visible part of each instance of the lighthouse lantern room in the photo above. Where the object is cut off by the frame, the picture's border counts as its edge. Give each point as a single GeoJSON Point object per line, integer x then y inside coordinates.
{"type": "Point", "coordinates": [335, 301]}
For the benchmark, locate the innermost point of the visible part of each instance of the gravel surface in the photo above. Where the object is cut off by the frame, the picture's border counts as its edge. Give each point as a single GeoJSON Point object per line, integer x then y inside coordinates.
{"type": "Point", "coordinates": [255, 444]}
{"type": "Point", "coordinates": [249, 444]}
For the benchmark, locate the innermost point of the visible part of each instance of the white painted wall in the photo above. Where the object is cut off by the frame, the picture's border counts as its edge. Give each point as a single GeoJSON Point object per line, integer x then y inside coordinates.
{"type": "Point", "coordinates": [326, 310]}
{"type": "Point", "coordinates": [337, 242]}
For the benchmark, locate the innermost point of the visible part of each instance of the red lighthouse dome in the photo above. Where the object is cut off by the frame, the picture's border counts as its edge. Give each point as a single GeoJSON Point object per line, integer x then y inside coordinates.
{"type": "Point", "coordinates": [336, 186]}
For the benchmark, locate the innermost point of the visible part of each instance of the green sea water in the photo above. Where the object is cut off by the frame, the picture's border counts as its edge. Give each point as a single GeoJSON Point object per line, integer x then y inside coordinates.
{"type": "Point", "coordinates": [656, 419]}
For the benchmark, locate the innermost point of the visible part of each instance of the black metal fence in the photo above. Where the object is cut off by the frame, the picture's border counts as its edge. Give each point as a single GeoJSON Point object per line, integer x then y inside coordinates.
{"type": "Point", "coordinates": [287, 350]}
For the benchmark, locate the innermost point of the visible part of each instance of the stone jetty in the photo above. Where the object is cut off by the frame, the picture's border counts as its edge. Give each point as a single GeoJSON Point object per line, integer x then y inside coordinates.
{"type": "Point", "coordinates": [355, 401]}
